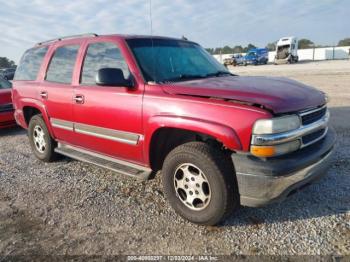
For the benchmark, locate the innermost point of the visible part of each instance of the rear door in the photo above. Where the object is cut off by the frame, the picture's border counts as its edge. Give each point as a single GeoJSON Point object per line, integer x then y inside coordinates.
{"type": "Point", "coordinates": [108, 118]}
{"type": "Point", "coordinates": [56, 90]}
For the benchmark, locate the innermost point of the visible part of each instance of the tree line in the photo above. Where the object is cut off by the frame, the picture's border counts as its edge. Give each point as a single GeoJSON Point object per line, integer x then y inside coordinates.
{"type": "Point", "coordinates": [6, 63]}
{"type": "Point", "coordinates": [302, 44]}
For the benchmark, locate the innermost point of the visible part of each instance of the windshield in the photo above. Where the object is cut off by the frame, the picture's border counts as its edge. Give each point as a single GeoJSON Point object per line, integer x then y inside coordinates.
{"type": "Point", "coordinates": [165, 60]}
{"type": "Point", "coordinates": [251, 54]}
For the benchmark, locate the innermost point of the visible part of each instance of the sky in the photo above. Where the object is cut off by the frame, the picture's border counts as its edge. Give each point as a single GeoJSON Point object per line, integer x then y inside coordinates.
{"type": "Point", "coordinates": [212, 23]}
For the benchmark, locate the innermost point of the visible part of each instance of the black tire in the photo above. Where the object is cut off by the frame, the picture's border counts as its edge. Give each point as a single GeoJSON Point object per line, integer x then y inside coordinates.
{"type": "Point", "coordinates": [220, 174]}
{"type": "Point", "coordinates": [47, 154]}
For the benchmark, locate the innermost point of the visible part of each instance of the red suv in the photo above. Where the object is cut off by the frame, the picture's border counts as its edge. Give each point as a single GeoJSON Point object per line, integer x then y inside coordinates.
{"type": "Point", "coordinates": [139, 104]}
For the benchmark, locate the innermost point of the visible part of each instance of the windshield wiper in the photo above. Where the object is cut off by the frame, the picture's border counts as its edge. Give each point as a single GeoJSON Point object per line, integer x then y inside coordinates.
{"type": "Point", "coordinates": [184, 77]}
{"type": "Point", "coordinates": [219, 73]}
{"type": "Point", "coordinates": [192, 77]}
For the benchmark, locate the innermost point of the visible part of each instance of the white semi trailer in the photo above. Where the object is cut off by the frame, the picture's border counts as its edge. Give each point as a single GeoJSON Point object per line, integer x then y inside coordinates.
{"type": "Point", "coordinates": [287, 50]}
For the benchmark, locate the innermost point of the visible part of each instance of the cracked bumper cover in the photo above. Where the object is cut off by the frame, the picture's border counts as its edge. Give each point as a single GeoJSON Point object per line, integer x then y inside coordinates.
{"type": "Point", "coordinates": [265, 181]}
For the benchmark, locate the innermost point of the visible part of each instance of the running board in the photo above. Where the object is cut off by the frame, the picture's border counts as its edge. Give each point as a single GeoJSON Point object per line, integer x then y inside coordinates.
{"type": "Point", "coordinates": [116, 165]}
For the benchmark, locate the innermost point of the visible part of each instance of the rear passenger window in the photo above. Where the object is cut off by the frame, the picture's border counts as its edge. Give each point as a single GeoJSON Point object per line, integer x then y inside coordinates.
{"type": "Point", "coordinates": [62, 64]}
{"type": "Point", "coordinates": [30, 63]}
{"type": "Point", "coordinates": [102, 55]}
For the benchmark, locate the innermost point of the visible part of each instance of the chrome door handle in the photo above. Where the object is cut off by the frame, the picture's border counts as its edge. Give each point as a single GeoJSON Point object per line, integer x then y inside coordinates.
{"type": "Point", "coordinates": [44, 94]}
{"type": "Point", "coordinates": [79, 99]}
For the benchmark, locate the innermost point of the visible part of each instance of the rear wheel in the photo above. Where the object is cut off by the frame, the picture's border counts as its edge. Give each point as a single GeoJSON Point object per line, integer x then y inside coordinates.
{"type": "Point", "coordinates": [41, 142]}
{"type": "Point", "coordinates": [199, 183]}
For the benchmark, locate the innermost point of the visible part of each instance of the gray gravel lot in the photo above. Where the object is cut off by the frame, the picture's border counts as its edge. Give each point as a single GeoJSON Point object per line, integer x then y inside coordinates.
{"type": "Point", "coordinates": [70, 207]}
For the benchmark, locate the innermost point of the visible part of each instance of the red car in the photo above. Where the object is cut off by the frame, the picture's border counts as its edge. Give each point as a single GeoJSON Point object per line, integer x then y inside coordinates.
{"type": "Point", "coordinates": [139, 104]}
{"type": "Point", "coordinates": [6, 109]}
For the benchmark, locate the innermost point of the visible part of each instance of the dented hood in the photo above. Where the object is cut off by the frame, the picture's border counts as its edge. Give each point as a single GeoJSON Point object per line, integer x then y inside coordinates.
{"type": "Point", "coordinates": [280, 95]}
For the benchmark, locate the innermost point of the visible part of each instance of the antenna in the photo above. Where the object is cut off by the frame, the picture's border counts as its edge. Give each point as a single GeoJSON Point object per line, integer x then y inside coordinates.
{"type": "Point", "coordinates": [151, 24]}
{"type": "Point", "coordinates": [150, 16]}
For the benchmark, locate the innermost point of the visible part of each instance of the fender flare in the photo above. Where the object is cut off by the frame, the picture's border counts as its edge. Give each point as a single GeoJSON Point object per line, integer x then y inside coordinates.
{"type": "Point", "coordinates": [226, 135]}
{"type": "Point", "coordinates": [27, 102]}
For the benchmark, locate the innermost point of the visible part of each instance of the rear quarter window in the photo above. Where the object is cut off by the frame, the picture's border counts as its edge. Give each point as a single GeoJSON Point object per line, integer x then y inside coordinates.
{"type": "Point", "coordinates": [62, 64]}
{"type": "Point", "coordinates": [30, 63]}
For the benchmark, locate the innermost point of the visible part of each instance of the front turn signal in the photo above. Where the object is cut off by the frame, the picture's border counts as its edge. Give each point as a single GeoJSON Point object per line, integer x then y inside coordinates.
{"type": "Point", "coordinates": [275, 150]}
{"type": "Point", "coordinates": [263, 151]}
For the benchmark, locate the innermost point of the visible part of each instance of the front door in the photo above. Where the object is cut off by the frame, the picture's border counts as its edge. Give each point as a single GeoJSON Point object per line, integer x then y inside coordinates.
{"type": "Point", "coordinates": [107, 118]}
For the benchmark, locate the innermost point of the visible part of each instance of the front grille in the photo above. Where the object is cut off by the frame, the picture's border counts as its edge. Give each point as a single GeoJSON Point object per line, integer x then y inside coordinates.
{"type": "Point", "coordinates": [313, 136]}
{"type": "Point", "coordinates": [6, 108]}
{"type": "Point", "coordinates": [313, 116]}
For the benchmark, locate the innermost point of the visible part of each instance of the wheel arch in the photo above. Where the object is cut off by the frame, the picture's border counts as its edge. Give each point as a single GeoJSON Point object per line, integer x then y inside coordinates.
{"type": "Point", "coordinates": [31, 108]}
{"type": "Point", "coordinates": [167, 132]}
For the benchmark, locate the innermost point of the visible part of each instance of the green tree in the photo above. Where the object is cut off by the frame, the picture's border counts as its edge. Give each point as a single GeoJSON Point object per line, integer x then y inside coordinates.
{"type": "Point", "coordinates": [305, 43]}
{"type": "Point", "coordinates": [227, 50]}
{"type": "Point", "coordinates": [344, 42]}
{"type": "Point", "coordinates": [237, 49]}
{"type": "Point", "coordinates": [247, 48]}
{"type": "Point", "coordinates": [217, 50]}
{"type": "Point", "coordinates": [6, 63]}
{"type": "Point", "coordinates": [210, 50]}
{"type": "Point", "coordinates": [271, 46]}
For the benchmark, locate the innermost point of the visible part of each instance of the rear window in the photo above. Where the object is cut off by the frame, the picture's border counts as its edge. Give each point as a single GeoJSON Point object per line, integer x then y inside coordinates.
{"type": "Point", "coordinates": [30, 63]}
{"type": "Point", "coordinates": [62, 64]}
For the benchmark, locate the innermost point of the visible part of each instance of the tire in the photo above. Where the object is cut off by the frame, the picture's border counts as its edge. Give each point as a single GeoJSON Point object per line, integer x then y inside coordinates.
{"type": "Point", "coordinates": [41, 142]}
{"type": "Point", "coordinates": [218, 172]}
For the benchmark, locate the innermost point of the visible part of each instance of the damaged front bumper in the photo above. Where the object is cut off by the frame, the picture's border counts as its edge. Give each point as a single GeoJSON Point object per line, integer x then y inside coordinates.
{"type": "Point", "coordinates": [264, 181]}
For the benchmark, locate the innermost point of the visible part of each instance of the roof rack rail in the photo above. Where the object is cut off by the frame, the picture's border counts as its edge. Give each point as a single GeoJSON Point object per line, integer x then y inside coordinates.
{"type": "Point", "coordinates": [67, 37]}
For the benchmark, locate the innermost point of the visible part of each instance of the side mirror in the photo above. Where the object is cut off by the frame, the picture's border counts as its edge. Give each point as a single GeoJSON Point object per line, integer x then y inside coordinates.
{"type": "Point", "coordinates": [112, 77]}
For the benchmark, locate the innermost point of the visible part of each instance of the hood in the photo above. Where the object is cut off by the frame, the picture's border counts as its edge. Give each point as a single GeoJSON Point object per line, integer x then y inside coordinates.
{"type": "Point", "coordinates": [279, 95]}
{"type": "Point", "coordinates": [5, 96]}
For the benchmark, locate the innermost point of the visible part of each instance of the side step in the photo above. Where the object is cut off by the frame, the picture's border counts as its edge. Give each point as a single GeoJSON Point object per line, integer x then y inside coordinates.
{"type": "Point", "coordinates": [116, 165]}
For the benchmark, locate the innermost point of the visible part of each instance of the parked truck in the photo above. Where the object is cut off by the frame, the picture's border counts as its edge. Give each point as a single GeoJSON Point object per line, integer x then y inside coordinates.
{"type": "Point", "coordinates": [256, 56]}
{"type": "Point", "coordinates": [140, 104]}
{"type": "Point", "coordinates": [287, 50]}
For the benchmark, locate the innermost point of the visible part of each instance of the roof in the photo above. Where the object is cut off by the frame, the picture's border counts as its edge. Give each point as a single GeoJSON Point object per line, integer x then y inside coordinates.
{"type": "Point", "coordinates": [92, 35]}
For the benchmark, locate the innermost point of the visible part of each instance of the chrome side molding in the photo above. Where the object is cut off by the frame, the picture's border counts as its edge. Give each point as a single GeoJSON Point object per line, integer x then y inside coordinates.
{"type": "Point", "coordinates": [105, 133]}
{"type": "Point", "coordinates": [110, 134]}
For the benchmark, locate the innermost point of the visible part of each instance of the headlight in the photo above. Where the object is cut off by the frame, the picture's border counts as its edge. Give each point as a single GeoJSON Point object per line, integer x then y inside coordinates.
{"type": "Point", "coordinates": [269, 127]}
{"type": "Point", "coordinates": [276, 125]}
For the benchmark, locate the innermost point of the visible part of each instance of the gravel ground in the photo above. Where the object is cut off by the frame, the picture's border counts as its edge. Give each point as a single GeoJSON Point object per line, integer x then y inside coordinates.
{"type": "Point", "coordinates": [73, 208]}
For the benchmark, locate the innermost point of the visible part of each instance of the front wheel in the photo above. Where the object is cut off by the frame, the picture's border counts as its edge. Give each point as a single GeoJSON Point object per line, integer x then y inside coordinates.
{"type": "Point", "coordinates": [41, 142]}
{"type": "Point", "coordinates": [199, 182]}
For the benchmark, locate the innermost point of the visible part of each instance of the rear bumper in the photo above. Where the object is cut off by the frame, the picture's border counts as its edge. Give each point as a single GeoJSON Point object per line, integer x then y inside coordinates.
{"type": "Point", "coordinates": [265, 181]}
{"type": "Point", "coordinates": [7, 119]}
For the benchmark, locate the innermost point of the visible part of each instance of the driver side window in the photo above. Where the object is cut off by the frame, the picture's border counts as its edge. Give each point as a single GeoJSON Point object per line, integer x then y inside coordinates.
{"type": "Point", "coordinates": [102, 55]}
